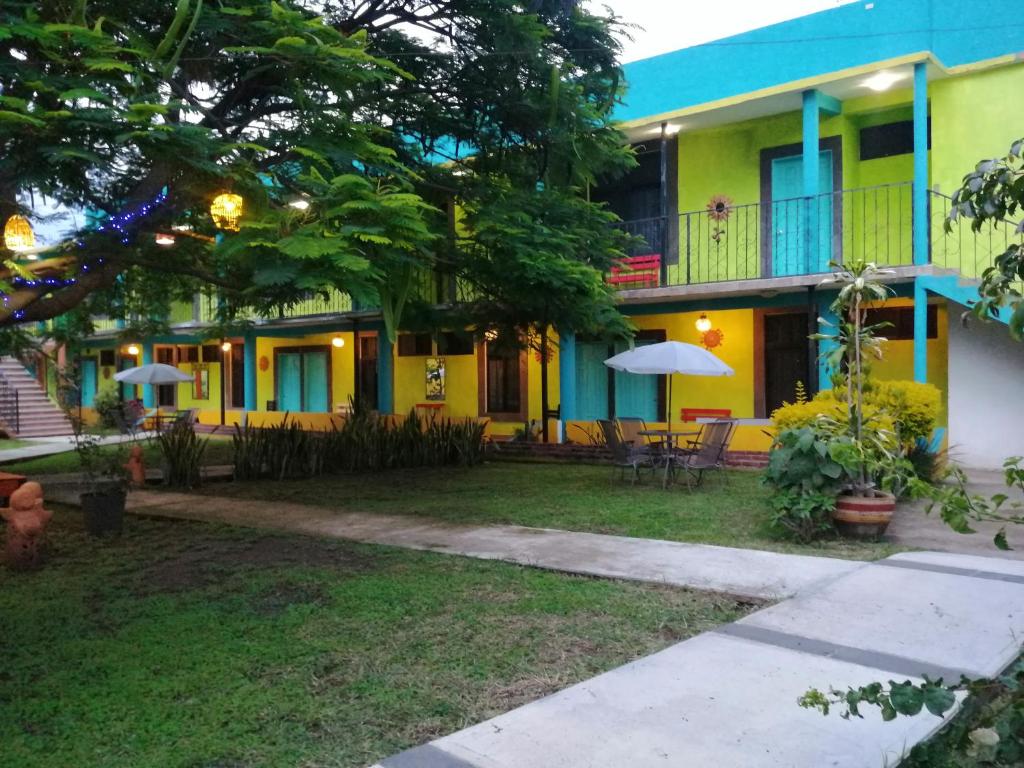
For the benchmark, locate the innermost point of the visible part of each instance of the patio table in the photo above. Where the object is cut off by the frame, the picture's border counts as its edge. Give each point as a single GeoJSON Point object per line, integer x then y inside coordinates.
{"type": "Point", "coordinates": [669, 439]}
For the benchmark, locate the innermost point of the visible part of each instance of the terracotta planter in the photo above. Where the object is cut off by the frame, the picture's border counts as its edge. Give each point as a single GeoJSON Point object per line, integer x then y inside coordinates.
{"type": "Point", "coordinates": [864, 517]}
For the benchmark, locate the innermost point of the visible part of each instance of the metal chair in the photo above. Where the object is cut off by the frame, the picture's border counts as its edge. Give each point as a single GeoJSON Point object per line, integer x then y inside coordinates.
{"type": "Point", "coordinates": [707, 454]}
{"type": "Point", "coordinates": [630, 428]}
{"type": "Point", "coordinates": [623, 454]}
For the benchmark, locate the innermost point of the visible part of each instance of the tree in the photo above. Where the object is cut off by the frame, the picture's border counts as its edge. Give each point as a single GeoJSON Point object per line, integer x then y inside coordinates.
{"type": "Point", "coordinates": [104, 105]}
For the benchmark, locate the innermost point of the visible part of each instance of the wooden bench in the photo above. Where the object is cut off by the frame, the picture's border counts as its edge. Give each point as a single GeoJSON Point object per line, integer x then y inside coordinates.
{"type": "Point", "coordinates": [637, 271]}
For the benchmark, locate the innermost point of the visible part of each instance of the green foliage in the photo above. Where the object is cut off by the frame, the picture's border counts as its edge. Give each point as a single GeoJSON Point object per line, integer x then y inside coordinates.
{"type": "Point", "coordinates": [108, 407]}
{"type": "Point", "coordinates": [904, 698]}
{"type": "Point", "coordinates": [958, 507]}
{"type": "Point", "coordinates": [805, 471]}
{"type": "Point", "coordinates": [364, 442]}
{"type": "Point", "coordinates": [994, 192]}
{"type": "Point", "coordinates": [182, 453]}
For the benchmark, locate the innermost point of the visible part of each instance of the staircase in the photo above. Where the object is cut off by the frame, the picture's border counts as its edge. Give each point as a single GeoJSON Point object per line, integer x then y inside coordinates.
{"type": "Point", "coordinates": [25, 410]}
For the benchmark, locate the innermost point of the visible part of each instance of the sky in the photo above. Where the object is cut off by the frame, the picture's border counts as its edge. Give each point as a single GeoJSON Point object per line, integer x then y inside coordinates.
{"type": "Point", "coordinates": [668, 25]}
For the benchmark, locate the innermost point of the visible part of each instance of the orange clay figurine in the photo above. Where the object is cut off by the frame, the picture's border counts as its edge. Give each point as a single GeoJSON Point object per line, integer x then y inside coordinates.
{"type": "Point", "coordinates": [136, 467]}
{"type": "Point", "coordinates": [26, 524]}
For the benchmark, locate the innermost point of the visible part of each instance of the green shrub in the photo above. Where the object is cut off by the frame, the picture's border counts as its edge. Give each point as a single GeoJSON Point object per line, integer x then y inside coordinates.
{"type": "Point", "coordinates": [108, 408]}
{"type": "Point", "coordinates": [805, 470]}
{"type": "Point", "coordinates": [182, 452]}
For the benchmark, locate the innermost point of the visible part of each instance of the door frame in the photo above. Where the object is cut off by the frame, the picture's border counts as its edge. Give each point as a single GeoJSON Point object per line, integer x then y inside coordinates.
{"type": "Point", "coordinates": [834, 144]}
{"type": "Point", "coordinates": [759, 353]}
{"type": "Point", "coordinates": [322, 348]}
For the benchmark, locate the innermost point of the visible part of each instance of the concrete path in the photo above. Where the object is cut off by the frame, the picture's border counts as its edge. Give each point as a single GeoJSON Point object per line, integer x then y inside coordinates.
{"type": "Point", "coordinates": [746, 573]}
{"type": "Point", "coordinates": [48, 446]}
{"type": "Point", "coordinates": [726, 698]}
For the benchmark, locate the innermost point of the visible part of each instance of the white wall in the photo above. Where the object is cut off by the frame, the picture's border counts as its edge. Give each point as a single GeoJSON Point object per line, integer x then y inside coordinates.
{"type": "Point", "coordinates": [986, 383]}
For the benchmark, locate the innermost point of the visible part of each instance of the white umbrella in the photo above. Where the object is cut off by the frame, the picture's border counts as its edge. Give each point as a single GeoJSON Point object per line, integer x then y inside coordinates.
{"type": "Point", "coordinates": [152, 373]}
{"type": "Point", "coordinates": [668, 357]}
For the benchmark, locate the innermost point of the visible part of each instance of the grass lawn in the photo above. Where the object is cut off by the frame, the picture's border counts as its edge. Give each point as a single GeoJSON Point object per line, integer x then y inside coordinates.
{"type": "Point", "coordinates": [218, 451]}
{"type": "Point", "coordinates": [183, 645]}
{"type": "Point", "coordinates": [570, 497]}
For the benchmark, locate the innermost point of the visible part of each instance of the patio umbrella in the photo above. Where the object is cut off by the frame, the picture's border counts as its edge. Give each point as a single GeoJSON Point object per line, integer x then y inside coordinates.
{"type": "Point", "coordinates": [152, 373]}
{"type": "Point", "coordinates": [668, 357]}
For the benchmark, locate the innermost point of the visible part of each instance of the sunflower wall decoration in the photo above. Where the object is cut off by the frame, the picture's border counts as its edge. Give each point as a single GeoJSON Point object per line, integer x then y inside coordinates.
{"type": "Point", "coordinates": [719, 208]}
{"type": "Point", "coordinates": [713, 338]}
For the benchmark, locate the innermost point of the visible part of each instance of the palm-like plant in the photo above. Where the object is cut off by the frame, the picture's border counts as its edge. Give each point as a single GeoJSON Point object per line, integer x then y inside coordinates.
{"type": "Point", "coordinates": [853, 340]}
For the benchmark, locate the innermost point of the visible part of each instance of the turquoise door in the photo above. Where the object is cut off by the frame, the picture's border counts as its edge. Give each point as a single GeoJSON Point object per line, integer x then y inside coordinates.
{"type": "Point", "coordinates": [314, 382]}
{"type": "Point", "coordinates": [302, 382]}
{"type": "Point", "coordinates": [636, 394]}
{"type": "Point", "coordinates": [88, 383]}
{"type": "Point", "coordinates": [289, 382]}
{"type": "Point", "coordinates": [798, 223]}
{"type": "Point", "coordinates": [591, 380]}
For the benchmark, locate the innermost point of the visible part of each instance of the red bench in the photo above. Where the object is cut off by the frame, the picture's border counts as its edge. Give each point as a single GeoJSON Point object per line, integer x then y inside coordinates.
{"type": "Point", "coordinates": [637, 271]}
{"type": "Point", "coordinates": [692, 414]}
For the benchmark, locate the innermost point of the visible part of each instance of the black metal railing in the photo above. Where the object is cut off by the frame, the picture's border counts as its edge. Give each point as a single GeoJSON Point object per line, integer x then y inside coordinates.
{"type": "Point", "coordinates": [797, 236]}
{"type": "Point", "coordinates": [10, 406]}
{"type": "Point", "coordinates": [650, 233]}
{"type": "Point", "coordinates": [963, 249]}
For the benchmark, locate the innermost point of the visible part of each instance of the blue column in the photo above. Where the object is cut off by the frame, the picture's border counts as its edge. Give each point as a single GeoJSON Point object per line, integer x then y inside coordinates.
{"type": "Point", "coordinates": [920, 332]}
{"type": "Point", "coordinates": [567, 374]}
{"type": "Point", "coordinates": [825, 348]}
{"type": "Point", "coordinates": [249, 366]}
{"type": "Point", "coordinates": [385, 375]}
{"type": "Point", "coordinates": [920, 163]}
{"type": "Point", "coordinates": [813, 261]}
{"type": "Point", "coordinates": [148, 390]}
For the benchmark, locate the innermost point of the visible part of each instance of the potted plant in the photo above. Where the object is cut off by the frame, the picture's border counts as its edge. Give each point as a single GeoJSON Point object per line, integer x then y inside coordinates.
{"type": "Point", "coordinates": [105, 482]}
{"type": "Point", "coordinates": [863, 508]}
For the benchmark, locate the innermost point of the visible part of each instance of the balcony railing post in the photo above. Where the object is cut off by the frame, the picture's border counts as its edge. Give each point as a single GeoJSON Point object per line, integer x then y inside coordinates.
{"type": "Point", "coordinates": [687, 249]}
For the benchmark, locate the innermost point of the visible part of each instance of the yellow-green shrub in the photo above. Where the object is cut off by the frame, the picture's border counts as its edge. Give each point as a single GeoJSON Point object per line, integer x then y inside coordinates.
{"type": "Point", "coordinates": [913, 406]}
{"type": "Point", "coordinates": [908, 408]}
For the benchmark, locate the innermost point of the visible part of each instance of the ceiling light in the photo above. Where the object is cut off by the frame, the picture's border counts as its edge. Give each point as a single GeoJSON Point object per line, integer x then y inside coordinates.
{"type": "Point", "coordinates": [671, 129]}
{"type": "Point", "coordinates": [883, 81]}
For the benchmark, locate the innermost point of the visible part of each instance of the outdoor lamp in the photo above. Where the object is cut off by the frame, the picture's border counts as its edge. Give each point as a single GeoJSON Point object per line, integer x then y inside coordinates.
{"type": "Point", "coordinates": [703, 323]}
{"type": "Point", "coordinates": [227, 210]}
{"type": "Point", "coordinates": [225, 346]}
{"type": "Point", "coordinates": [164, 239]}
{"type": "Point", "coordinates": [18, 235]}
{"type": "Point", "coordinates": [133, 350]}
{"type": "Point", "coordinates": [299, 204]}
{"type": "Point", "coordinates": [338, 342]}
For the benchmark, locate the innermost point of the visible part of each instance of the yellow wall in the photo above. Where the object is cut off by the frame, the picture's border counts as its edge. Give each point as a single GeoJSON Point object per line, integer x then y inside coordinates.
{"type": "Point", "coordinates": [460, 384]}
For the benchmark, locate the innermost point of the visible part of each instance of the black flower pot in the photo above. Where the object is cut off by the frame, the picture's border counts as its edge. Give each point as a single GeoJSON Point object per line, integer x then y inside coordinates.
{"type": "Point", "coordinates": [103, 509]}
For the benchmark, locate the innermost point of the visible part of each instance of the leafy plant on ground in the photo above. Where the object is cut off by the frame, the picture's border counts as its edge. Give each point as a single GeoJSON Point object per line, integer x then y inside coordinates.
{"type": "Point", "coordinates": [182, 453]}
{"type": "Point", "coordinates": [805, 472]}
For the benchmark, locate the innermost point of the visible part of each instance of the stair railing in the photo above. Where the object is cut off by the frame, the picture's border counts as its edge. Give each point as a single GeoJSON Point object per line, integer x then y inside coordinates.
{"type": "Point", "coordinates": [10, 405]}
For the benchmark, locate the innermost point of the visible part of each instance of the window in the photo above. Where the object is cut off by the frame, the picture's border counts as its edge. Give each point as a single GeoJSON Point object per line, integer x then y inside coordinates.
{"type": "Point", "coordinates": [415, 344]}
{"type": "Point", "coordinates": [236, 377]}
{"type": "Point", "coordinates": [901, 322]}
{"type": "Point", "coordinates": [164, 355]}
{"type": "Point", "coordinates": [889, 139]}
{"type": "Point", "coordinates": [502, 381]}
{"type": "Point", "coordinates": [188, 354]}
{"type": "Point", "coordinates": [454, 343]}
{"type": "Point", "coordinates": [166, 394]}
{"type": "Point", "coordinates": [106, 357]}
{"type": "Point", "coordinates": [211, 353]}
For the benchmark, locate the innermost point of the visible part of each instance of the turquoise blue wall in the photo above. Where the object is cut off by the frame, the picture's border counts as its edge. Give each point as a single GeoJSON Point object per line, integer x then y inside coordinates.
{"type": "Point", "coordinates": [824, 42]}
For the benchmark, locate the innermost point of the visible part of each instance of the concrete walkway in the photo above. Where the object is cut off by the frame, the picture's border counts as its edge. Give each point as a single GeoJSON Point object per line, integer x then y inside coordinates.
{"type": "Point", "coordinates": [726, 698]}
{"type": "Point", "coordinates": [749, 573]}
{"type": "Point", "coordinates": [48, 446]}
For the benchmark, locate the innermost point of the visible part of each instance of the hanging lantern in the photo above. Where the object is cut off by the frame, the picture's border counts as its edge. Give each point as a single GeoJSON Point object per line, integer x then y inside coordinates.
{"type": "Point", "coordinates": [18, 235]}
{"type": "Point", "coordinates": [226, 211]}
{"type": "Point", "coordinates": [703, 323]}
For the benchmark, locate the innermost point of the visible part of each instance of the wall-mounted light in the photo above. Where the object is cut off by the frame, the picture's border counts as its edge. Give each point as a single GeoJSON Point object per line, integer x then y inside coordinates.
{"type": "Point", "coordinates": [225, 346]}
{"type": "Point", "coordinates": [133, 350]}
{"type": "Point", "coordinates": [164, 239]}
{"type": "Point", "coordinates": [883, 81]}
{"type": "Point", "coordinates": [703, 323]}
{"type": "Point", "coordinates": [337, 342]}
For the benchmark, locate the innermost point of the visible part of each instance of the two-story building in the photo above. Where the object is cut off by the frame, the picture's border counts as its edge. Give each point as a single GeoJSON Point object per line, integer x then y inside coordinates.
{"type": "Point", "coordinates": [762, 158]}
